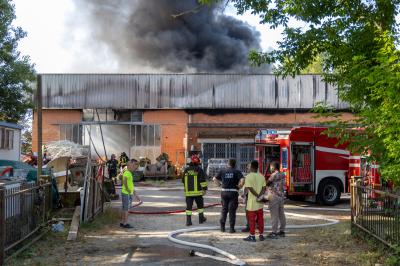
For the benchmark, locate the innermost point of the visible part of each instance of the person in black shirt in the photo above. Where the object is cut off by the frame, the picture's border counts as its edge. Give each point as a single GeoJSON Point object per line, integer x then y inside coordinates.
{"type": "Point", "coordinates": [230, 180]}
{"type": "Point", "coordinates": [112, 166]}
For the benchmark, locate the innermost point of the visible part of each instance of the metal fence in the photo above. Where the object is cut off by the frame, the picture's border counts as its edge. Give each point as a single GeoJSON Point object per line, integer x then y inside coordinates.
{"type": "Point", "coordinates": [377, 213]}
{"type": "Point", "coordinates": [24, 208]}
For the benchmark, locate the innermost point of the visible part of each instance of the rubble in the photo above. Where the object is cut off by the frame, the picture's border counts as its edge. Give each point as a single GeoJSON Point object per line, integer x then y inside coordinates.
{"type": "Point", "coordinates": [65, 148]}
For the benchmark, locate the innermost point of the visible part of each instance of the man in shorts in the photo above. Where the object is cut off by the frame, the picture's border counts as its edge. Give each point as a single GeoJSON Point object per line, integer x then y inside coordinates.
{"type": "Point", "coordinates": [127, 191]}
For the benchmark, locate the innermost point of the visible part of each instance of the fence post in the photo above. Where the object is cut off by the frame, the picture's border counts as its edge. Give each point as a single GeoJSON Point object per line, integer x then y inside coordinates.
{"type": "Point", "coordinates": [352, 201]}
{"type": "Point", "coordinates": [2, 225]}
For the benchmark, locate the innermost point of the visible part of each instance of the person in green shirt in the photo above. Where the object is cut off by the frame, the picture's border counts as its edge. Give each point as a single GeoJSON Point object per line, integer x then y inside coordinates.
{"type": "Point", "coordinates": [127, 191]}
{"type": "Point", "coordinates": [256, 185]}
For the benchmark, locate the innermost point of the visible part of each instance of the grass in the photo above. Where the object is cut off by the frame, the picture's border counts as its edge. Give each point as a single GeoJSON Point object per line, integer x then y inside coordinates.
{"type": "Point", "coordinates": [108, 217]}
{"type": "Point", "coordinates": [335, 245]}
{"type": "Point", "coordinates": [47, 251]}
{"type": "Point", "coordinates": [51, 248]}
{"type": "Point", "coordinates": [388, 256]}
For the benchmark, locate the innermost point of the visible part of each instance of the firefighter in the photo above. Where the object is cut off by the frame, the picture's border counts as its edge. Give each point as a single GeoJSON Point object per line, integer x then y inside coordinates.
{"type": "Point", "coordinates": [195, 184]}
{"type": "Point", "coordinates": [123, 159]}
{"type": "Point", "coordinates": [112, 166]}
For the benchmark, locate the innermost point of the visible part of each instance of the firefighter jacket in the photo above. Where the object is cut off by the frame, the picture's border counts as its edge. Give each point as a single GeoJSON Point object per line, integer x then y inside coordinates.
{"type": "Point", "coordinates": [194, 181]}
{"type": "Point", "coordinates": [122, 161]}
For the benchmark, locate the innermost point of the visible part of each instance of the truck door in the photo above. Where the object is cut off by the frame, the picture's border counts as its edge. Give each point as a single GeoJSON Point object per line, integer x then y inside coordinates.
{"type": "Point", "coordinates": [302, 166]}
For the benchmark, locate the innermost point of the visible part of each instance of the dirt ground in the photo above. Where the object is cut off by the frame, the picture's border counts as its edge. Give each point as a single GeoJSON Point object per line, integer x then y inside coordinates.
{"type": "Point", "coordinates": [105, 243]}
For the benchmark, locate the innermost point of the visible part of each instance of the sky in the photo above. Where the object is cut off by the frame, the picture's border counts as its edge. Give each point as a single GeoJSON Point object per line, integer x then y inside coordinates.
{"type": "Point", "coordinates": [57, 39]}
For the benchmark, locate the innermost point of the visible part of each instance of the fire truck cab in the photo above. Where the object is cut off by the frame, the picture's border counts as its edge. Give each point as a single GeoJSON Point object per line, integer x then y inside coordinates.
{"type": "Point", "coordinates": [315, 167]}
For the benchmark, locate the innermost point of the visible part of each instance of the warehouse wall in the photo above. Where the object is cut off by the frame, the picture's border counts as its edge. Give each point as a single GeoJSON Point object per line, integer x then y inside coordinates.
{"type": "Point", "coordinates": [240, 125]}
{"type": "Point", "coordinates": [180, 129]}
{"type": "Point", "coordinates": [260, 118]}
{"type": "Point", "coordinates": [50, 119]}
{"type": "Point", "coordinates": [173, 129]}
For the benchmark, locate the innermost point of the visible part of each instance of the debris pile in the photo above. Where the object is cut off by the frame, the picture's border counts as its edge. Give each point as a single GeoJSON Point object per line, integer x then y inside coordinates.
{"type": "Point", "coordinates": [65, 148]}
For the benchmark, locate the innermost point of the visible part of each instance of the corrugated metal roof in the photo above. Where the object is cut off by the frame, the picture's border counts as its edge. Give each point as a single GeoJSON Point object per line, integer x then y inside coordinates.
{"type": "Point", "coordinates": [10, 125]}
{"type": "Point", "coordinates": [186, 91]}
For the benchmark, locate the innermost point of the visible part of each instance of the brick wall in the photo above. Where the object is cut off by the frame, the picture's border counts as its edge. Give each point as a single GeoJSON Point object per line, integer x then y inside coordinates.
{"type": "Point", "coordinates": [281, 118]}
{"type": "Point", "coordinates": [203, 124]}
{"type": "Point", "coordinates": [50, 119]}
{"type": "Point", "coordinates": [173, 129]}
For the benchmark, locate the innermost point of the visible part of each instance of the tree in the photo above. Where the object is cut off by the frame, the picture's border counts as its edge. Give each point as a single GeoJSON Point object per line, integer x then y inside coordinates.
{"type": "Point", "coordinates": [359, 41]}
{"type": "Point", "coordinates": [315, 67]}
{"type": "Point", "coordinates": [16, 71]}
{"type": "Point", "coordinates": [26, 134]}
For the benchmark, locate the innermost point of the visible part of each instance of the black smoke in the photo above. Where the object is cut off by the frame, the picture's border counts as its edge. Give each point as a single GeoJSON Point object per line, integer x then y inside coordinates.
{"type": "Point", "coordinates": [146, 32]}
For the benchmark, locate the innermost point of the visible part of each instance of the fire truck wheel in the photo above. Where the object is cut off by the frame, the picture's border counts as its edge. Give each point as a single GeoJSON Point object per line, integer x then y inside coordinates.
{"type": "Point", "coordinates": [329, 192]}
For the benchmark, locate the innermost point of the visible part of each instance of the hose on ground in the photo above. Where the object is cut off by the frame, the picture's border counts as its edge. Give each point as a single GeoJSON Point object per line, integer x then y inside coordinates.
{"type": "Point", "coordinates": [230, 258]}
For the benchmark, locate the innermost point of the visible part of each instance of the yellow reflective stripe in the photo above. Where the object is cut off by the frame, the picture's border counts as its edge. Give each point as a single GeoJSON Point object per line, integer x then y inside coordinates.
{"type": "Point", "coordinates": [200, 210]}
{"type": "Point", "coordinates": [195, 183]}
{"type": "Point", "coordinates": [203, 184]}
{"type": "Point", "coordinates": [186, 183]}
{"type": "Point", "coordinates": [188, 212]}
{"type": "Point", "coordinates": [193, 193]}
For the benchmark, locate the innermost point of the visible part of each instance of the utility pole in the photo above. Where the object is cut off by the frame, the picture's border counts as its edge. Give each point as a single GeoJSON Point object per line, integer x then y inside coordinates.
{"type": "Point", "coordinates": [39, 125]}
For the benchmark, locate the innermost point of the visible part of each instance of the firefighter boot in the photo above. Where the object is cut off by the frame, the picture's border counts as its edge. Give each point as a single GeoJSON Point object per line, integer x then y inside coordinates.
{"type": "Point", "coordinates": [202, 219]}
{"type": "Point", "coordinates": [222, 227]}
{"type": "Point", "coordinates": [188, 220]}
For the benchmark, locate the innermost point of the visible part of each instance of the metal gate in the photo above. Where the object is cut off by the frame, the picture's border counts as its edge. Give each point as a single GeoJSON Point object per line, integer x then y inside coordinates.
{"type": "Point", "coordinates": [247, 154]}
{"type": "Point", "coordinates": [243, 153]}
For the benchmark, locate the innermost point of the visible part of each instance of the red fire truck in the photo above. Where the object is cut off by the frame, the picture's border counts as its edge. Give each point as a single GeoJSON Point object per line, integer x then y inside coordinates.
{"type": "Point", "coordinates": [315, 167]}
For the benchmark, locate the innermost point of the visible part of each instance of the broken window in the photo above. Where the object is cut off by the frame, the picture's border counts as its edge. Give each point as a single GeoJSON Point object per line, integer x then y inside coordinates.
{"type": "Point", "coordinates": [88, 115]}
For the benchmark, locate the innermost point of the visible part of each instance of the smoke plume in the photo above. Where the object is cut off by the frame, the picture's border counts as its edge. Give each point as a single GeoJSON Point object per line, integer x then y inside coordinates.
{"type": "Point", "coordinates": [146, 33]}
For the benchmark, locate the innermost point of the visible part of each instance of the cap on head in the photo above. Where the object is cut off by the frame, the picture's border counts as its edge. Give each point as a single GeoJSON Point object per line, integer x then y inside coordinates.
{"type": "Point", "coordinates": [195, 159]}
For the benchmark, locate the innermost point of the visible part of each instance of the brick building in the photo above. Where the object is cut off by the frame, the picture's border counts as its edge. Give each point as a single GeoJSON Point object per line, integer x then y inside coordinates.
{"type": "Point", "coordinates": [146, 114]}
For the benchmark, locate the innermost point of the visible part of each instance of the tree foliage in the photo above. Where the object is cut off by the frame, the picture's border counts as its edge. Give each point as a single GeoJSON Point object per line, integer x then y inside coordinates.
{"type": "Point", "coordinates": [359, 43]}
{"type": "Point", "coordinates": [16, 71]}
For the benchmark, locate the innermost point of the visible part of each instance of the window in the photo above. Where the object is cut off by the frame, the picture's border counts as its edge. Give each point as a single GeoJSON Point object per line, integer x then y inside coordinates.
{"type": "Point", "coordinates": [145, 135]}
{"type": "Point", "coordinates": [150, 141]}
{"type": "Point", "coordinates": [284, 158]}
{"type": "Point", "coordinates": [10, 134]}
{"type": "Point", "coordinates": [6, 139]}
{"type": "Point", "coordinates": [2, 137]}
{"type": "Point", "coordinates": [88, 115]}
{"type": "Point", "coordinates": [136, 116]}
{"type": "Point", "coordinates": [71, 132]}
{"type": "Point", "coordinates": [138, 136]}
{"type": "Point", "coordinates": [111, 115]}
{"type": "Point", "coordinates": [157, 136]}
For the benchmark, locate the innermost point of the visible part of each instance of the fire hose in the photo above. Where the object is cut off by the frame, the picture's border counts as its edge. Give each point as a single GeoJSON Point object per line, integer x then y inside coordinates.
{"type": "Point", "coordinates": [228, 257]}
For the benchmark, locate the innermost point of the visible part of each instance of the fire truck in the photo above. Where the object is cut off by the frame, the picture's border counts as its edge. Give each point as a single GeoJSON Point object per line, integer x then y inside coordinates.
{"type": "Point", "coordinates": [316, 167]}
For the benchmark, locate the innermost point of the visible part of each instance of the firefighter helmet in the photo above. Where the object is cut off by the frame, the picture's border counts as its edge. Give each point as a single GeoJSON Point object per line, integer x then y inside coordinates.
{"type": "Point", "coordinates": [195, 159]}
